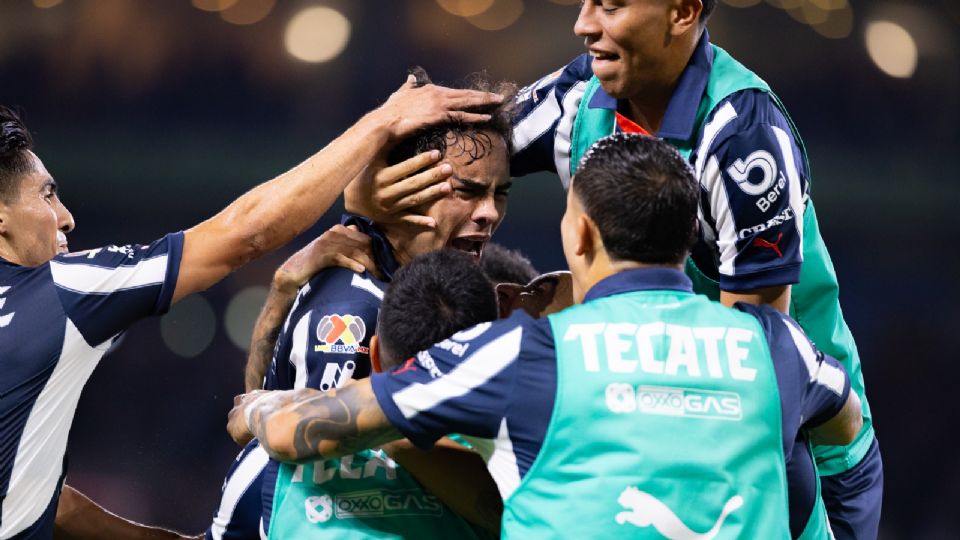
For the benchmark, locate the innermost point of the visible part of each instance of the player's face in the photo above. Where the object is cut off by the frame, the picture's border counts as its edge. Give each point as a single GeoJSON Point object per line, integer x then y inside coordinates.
{"type": "Point", "coordinates": [36, 222]}
{"type": "Point", "coordinates": [467, 217]}
{"type": "Point", "coordinates": [629, 41]}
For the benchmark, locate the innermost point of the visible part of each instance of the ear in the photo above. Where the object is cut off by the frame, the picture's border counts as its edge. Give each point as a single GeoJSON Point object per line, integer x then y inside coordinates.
{"type": "Point", "coordinates": [375, 354]}
{"type": "Point", "coordinates": [684, 16]}
{"type": "Point", "coordinates": [586, 239]}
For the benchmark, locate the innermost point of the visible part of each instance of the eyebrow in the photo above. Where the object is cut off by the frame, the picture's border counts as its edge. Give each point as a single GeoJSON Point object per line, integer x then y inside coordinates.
{"type": "Point", "coordinates": [470, 183]}
{"type": "Point", "coordinates": [49, 182]}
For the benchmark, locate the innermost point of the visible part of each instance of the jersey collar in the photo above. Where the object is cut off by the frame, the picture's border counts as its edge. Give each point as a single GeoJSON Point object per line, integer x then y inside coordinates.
{"type": "Point", "coordinates": [640, 279]}
{"type": "Point", "coordinates": [382, 250]}
{"type": "Point", "coordinates": [681, 114]}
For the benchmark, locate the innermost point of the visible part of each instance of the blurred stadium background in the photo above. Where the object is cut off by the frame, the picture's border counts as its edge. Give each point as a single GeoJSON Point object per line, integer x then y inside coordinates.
{"type": "Point", "coordinates": [153, 115]}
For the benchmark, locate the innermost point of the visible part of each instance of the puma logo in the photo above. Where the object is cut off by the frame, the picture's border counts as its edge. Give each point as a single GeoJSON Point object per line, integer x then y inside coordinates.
{"type": "Point", "coordinates": [775, 246]}
{"type": "Point", "coordinates": [645, 510]}
{"type": "Point", "coordinates": [407, 366]}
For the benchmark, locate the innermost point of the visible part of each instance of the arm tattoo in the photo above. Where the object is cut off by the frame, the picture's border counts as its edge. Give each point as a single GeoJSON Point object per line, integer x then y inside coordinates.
{"type": "Point", "coordinates": [264, 337]}
{"type": "Point", "coordinates": [325, 424]}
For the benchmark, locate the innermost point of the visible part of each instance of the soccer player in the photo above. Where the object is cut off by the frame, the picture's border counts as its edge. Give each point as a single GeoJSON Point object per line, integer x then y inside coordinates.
{"type": "Point", "coordinates": [504, 265]}
{"type": "Point", "coordinates": [651, 68]}
{"type": "Point", "coordinates": [322, 331]}
{"type": "Point", "coordinates": [645, 406]}
{"type": "Point", "coordinates": [83, 301]}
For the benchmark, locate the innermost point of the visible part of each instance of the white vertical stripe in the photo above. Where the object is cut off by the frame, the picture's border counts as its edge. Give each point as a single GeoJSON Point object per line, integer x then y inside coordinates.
{"type": "Point", "coordinates": [726, 226]}
{"type": "Point", "coordinates": [476, 370]}
{"type": "Point", "coordinates": [305, 290]}
{"type": "Point", "coordinates": [724, 115]}
{"type": "Point", "coordinates": [822, 373]}
{"type": "Point", "coordinates": [362, 283]}
{"type": "Point", "coordinates": [86, 278]}
{"type": "Point", "coordinates": [39, 458]}
{"type": "Point", "coordinates": [561, 141]}
{"type": "Point", "coordinates": [793, 179]}
{"type": "Point", "coordinates": [538, 122]}
{"type": "Point", "coordinates": [503, 464]}
{"type": "Point", "coordinates": [298, 351]}
{"type": "Point", "coordinates": [238, 483]}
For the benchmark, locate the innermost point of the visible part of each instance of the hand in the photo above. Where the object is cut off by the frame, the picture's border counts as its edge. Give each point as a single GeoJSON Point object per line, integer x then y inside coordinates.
{"type": "Point", "coordinates": [341, 246]}
{"type": "Point", "coordinates": [389, 194]}
{"type": "Point", "coordinates": [238, 428]}
{"type": "Point", "coordinates": [411, 108]}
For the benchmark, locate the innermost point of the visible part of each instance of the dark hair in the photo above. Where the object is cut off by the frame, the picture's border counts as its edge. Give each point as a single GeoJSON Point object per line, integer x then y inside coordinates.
{"type": "Point", "coordinates": [643, 197]}
{"type": "Point", "coordinates": [504, 265]}
{"type": "Point", "coordinates": [472, 139]}
{"type": "Point", "coordinates": [708, 6]}
{"type": "Point", "coordinates": [431, 298]}
{"type": "Point", "coordinates": [15, 141]}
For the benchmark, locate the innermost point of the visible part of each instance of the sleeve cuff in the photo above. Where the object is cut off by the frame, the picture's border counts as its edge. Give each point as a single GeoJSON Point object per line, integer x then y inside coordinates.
{"type": "Point", "coordinates": [772, 277]}
{"type": "Point", "coordinates": [174, 255]}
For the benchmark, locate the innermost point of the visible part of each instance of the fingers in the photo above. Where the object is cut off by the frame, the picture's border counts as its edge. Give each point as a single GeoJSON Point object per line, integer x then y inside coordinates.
{"type": "Point", "coordinates": [468, 118]}
{"type": "Point", "coordinates": [401, 170]}
{"type": "Point", "coordinates": [424, 196]}
{"type": "Point", "coordinates": [425, 185]}
{"type": "Point", "coordinates": [464, 99]}
{"type": "Point", "coordinates": [419, 220]}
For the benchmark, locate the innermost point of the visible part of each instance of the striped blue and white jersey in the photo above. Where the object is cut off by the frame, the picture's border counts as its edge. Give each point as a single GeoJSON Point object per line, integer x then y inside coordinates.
{"type": "Point", "coordinates": [752, 174]}
{"type": "Point", "coordinates": [239, 515]}
{"type": "Point", "coordinates": [500, 381]}
{"type": "Point", "coordinates": [57, 321]}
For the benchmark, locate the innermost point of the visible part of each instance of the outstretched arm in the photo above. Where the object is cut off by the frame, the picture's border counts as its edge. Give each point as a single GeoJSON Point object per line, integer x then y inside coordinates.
{"type": "Point", "coordinates": [272, 213]}
{"type": "Point", "coordinates": [79, 518]}
{"type": "Point", "coordinates": [297, 426]}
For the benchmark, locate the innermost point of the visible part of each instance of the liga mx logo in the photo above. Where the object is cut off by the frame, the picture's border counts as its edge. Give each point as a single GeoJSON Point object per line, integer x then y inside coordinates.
{"type": "Point", "coordinates": [341, 334]}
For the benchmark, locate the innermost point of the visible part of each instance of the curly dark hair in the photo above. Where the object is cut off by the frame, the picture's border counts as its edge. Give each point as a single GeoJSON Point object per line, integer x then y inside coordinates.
{"type": "Point", "coordinates": [472, 139]}
{"type": "Point", "coordinates": [643, 197]}
{"type": "Point", "coordinates": [505, 265]}
{"type": "Point", "coordinates": [15, 142]}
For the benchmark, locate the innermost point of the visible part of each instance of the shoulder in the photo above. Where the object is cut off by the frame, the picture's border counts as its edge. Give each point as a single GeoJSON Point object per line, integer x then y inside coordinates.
{"type": "Point", "coordinates": [750, 109]}
{"type": "Point", "coordinates": [559, 81]}
{"type": "Point", "coordinates": [341, 285]}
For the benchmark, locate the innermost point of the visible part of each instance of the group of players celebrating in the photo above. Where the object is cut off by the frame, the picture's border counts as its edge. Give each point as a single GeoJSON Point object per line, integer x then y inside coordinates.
{"type": "Point", "coordinates": [689, 376]}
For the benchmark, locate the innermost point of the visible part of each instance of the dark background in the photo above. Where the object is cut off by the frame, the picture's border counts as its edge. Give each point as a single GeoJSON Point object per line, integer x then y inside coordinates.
{"type": "Point", "coordinates": [154, 115]}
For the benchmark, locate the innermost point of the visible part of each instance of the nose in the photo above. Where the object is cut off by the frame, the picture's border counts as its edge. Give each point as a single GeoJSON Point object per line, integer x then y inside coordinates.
{"type": "Point", "coordinates": [586, 25]}
{"type": "Point", "coordinates": [64, 219]}
{"type": "Point", "coordinates": [486, 212]}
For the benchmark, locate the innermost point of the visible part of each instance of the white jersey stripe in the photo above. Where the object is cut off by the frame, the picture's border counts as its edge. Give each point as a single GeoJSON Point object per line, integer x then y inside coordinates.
{"type": "Point", "coordinates": [724, 115]}
{"type": "Point", "coordinates": [538, 122]}
{"type": "Point", "coordinates": [87, 279]}
{"type": "Point", "coordinates": [561, 141]}
{"type": "Point", "coordinates": [503, 464]}
{"type": "Point", "coordinates": [822, 373]}
{"type": "Point", "coordinates": [797, 201]}
{"type": "Point", "coordinates": [473, 372]}
{"type": "Point", "coordinates": [245, 473]}
{"type": "Point", "coordinates": [43, 443]}
{"type": "Point", "coordinates": [364, 284]}
{"type": "Point", "coordinates": [726, 226]}
{"type": "Point", "coordinates": [298, 350]}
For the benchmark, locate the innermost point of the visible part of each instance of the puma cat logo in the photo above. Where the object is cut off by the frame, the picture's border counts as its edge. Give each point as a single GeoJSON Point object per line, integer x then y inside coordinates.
{"type": "Point", "coordinates": [645, 510]}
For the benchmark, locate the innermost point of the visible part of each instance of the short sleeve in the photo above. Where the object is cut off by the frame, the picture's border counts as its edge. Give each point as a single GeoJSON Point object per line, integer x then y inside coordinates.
{"type": "Point", "coordinates": [461, 385]}
{"type": "Point", "coordinates": [754, 179]}
{"type": "Point", "coordinates": [104, 290]}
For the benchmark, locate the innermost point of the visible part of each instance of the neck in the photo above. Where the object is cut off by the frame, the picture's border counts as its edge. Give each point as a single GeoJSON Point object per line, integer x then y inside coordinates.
{"type": "Point", "coordinates": [648, 107]}
{"type": "Point", "coordinates": [397, 245]}
{"type": "Point", "coordinates": [603, 267]}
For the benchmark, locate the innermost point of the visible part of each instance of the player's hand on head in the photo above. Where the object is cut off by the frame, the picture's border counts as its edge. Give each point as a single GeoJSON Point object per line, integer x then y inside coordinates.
{"type": "Point", "coordinates": [411, 107]}
{"type": "Point", "coordinates": [341, 246]}
{"type": "Point", "coordinates": [393, 194]}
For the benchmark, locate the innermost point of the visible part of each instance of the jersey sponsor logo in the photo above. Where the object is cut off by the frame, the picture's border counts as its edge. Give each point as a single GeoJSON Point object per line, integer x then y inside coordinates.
{"type": "Point", "coordinates": [7, 318]}
{"type": "Point", "coordinates": [740, 171]}
{"type": "Point", "coordinates": [319, 509]}
{"type": "Point", "coordinates": [764, 203]}
{"type": "Point", "coordinates": [378, 465]}
{"type": "Point", "coordinates": [696, 351]}
{"type": "Point", "coordinates": [645, 510]}
{"type": "Point", "coordinates": [471, 333]}
{"type": "Point", "coordinates": [335, 375]}
{"type": "Point", "coordinates": [775, 246]}
{"type": "Point", "coordinates": [776, 220]}
{"type": "Point", "coordinates": [667, 401]}
{"type": "Point", "coordinates": [454, 348]}
{"type": "Point", "coordinates": [429, 364]}
{"type": "Point", "coordinates": [381, 503]}
{"type": "Point", "coordinates": [341, 334]}
{"type": "Point", "coordinates": [531, 91]}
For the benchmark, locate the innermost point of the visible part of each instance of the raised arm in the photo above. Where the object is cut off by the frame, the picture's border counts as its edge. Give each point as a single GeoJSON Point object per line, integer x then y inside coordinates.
{"type": "Point", "coordinates": [79, 518]}
{"type": "Point", "coordinates": [298, 426]}
{"type": "Point", "coordinates": [272, 213]}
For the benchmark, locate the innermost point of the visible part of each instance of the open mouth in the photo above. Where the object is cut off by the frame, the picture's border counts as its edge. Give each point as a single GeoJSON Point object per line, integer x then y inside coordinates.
{"type": "Point", "coordinates": [603, 56]}
{"type": "Point", "coordinates": [470, 246]}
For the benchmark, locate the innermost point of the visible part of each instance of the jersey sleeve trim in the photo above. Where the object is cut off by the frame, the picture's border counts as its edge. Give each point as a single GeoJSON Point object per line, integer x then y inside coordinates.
{"type": "Point", "coordinates": [174, 256]}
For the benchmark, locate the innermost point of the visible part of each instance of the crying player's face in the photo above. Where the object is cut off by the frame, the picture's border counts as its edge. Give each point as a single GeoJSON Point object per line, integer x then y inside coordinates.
{"type": "Point", "coordinates": [468, 215]}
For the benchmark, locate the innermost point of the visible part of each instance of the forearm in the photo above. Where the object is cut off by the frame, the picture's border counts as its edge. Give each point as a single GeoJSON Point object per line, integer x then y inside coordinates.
{"type": "Point", "coordinates": [776, 297]}
{"type": "Point", "coordinates": [305, 425]}
{"type": "Point", "coordinates": [265, 334]}
{"type": "Point", "coordinates": [79, 518]}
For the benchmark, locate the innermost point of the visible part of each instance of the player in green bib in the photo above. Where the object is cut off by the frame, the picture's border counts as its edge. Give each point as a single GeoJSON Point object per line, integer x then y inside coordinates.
{"type": "Point", "coordinates": [647, 410]}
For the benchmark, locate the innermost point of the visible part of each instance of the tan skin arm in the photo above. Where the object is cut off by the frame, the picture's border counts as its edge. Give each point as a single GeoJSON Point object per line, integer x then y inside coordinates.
{"type": "Point", "coordinates": [776, 297]}
{"type": "Point", "coordinates": [79, 518]}
{"type": "Point", "coordinates": [273, 213]}
{"type": "Point", "coordinates": [843, 428]}
{"type": "Point", "coordinates": [444, 470]}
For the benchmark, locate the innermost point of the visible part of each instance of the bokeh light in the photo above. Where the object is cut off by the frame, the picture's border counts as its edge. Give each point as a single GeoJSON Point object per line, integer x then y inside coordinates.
{"type": "Point", "coordinates": [786, 4]}
{"type": "Point", "coordinates": [741, 3]}
{"type": "Point", "coordinates": [892, 48]}
{"type": "Point", "coordinates": [500, 15]}
{"type": "Point", "coordinates": [465, 8]}
{"type": "Point", "coordinates": [213, 5]}
{"type": "Point", "coordinates": [839, 23]}
{"type": "Point", "coordinates": [188, 328]}
{"type": "Point", "coordinates": [317, 34]}
{"type": "Point", "coordinates": [44, 4]}
{"type": "Point", "coordinates": [241, 315]}
{"type": "Point", "coordinates": [245, 12]}
{"type": "Point", "coordinates": [571, 2]}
